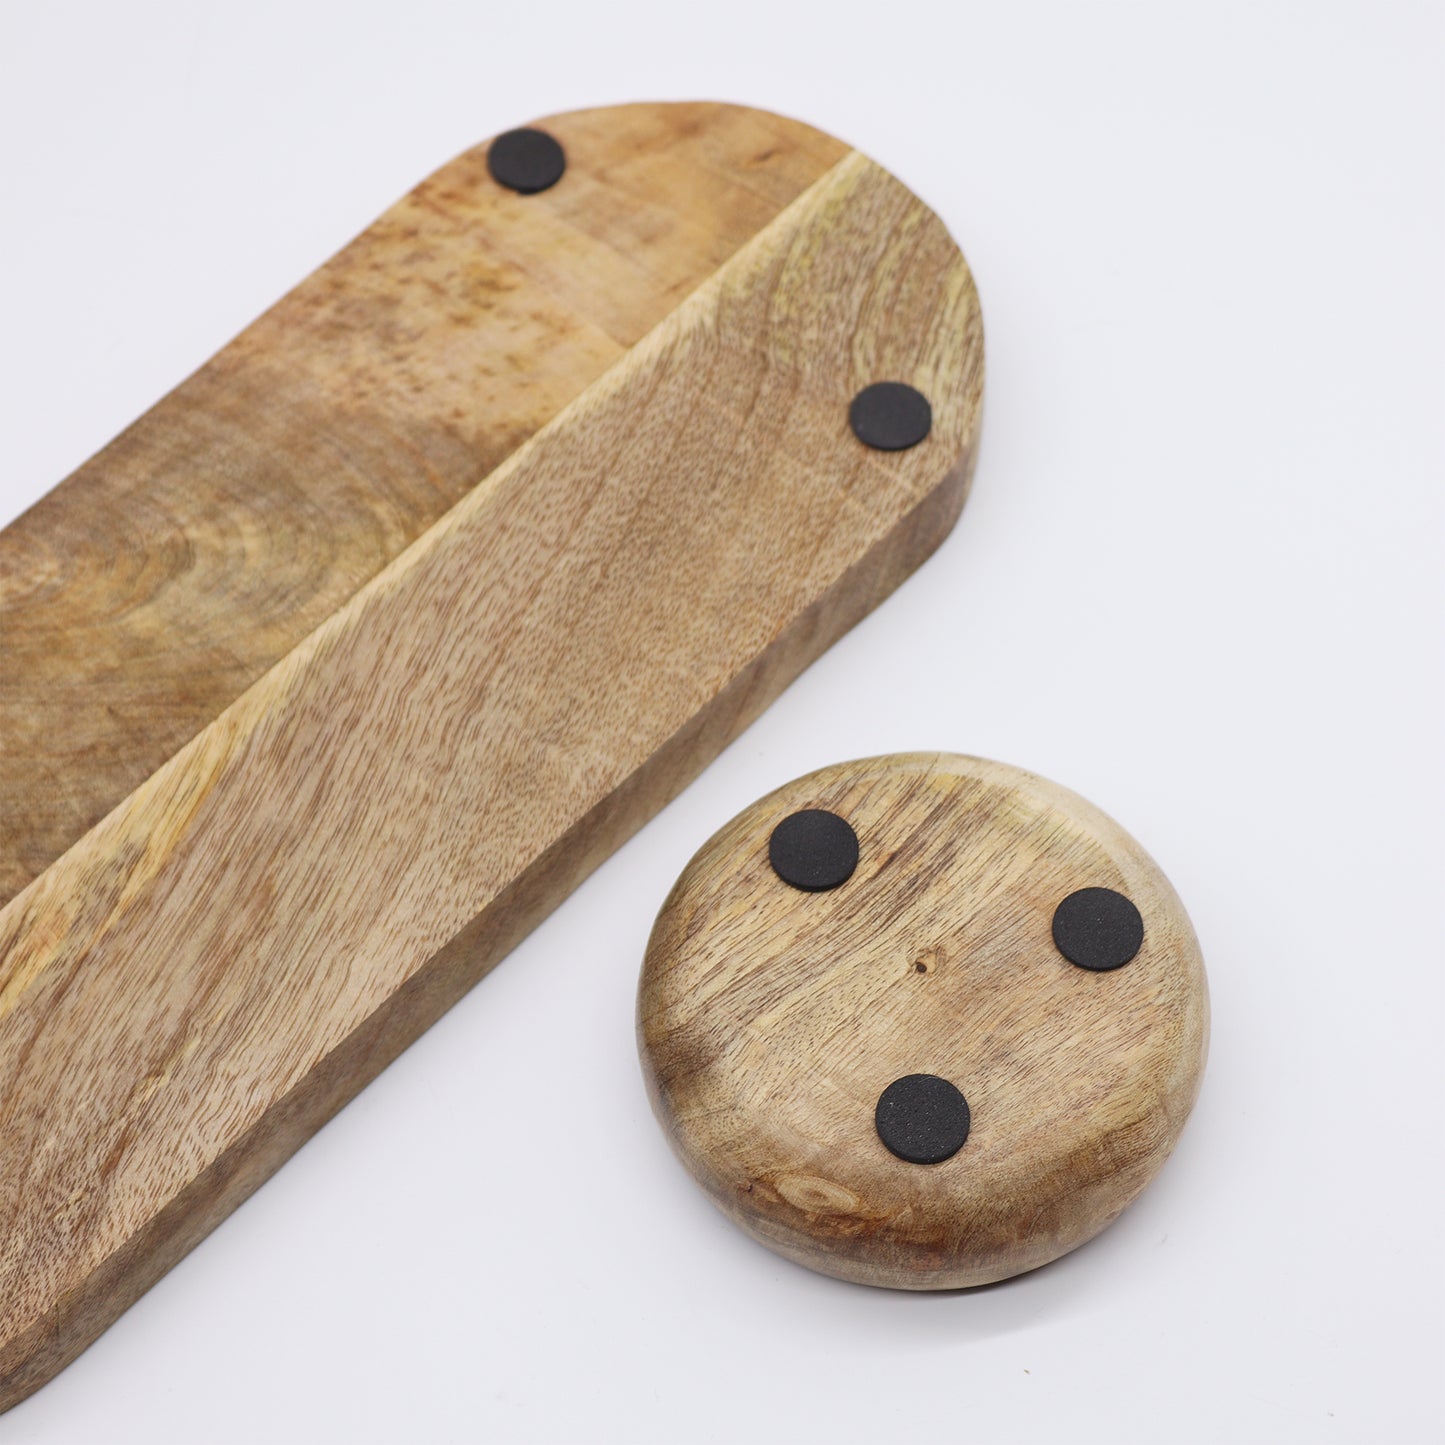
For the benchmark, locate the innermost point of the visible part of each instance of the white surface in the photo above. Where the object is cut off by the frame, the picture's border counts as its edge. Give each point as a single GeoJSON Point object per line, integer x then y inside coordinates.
{"type": "Point", "coordinates": [1198, 581]}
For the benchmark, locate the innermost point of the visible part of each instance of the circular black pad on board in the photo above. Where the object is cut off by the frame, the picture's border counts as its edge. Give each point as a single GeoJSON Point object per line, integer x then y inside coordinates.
{"type": "Point", "coordinates": [1098, 928]}
{"type": "Point", "coordinates": [526, 160]}
{"type": "Point", "coordinates": [922, 1118]}
{"type": "Point", "coordinates": [813, 850]}
{"type": "Point", "coordinates": [890, 416]}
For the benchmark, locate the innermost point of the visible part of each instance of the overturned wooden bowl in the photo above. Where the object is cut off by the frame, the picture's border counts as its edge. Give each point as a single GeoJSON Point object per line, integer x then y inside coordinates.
{"type": "Point", "coordinates": [923, 1021]}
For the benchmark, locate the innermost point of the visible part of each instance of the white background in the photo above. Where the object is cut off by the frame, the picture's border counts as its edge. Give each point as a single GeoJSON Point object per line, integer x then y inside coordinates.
{"type": "Point", "coordinates": [1198, 581]}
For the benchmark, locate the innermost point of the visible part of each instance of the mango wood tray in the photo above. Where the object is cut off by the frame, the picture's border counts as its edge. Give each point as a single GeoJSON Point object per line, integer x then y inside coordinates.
{"type": "Point", "coordinates": [333, 674]}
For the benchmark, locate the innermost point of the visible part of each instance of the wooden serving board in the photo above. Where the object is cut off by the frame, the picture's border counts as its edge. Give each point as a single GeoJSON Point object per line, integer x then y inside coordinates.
{"type": "Point", "coordinates": [332, 675]}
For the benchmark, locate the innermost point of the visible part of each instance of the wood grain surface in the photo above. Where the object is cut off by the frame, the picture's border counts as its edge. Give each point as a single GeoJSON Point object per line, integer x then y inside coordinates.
{"type": "Point", "coordinates": [280, 906]}
{"type": "Point", "coordinates": [151, 588]}
{"type": "Point", "coordinates": [771, 1020]}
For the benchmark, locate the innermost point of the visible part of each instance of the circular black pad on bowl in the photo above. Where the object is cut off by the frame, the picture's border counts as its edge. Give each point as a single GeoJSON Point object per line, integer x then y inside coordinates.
{"type": "Point", "coordinates": [1097, 928]}
{"type": "Point", "coordinates": [813, 850]}
{"type": "Point", "coordinates": [922, 1118]}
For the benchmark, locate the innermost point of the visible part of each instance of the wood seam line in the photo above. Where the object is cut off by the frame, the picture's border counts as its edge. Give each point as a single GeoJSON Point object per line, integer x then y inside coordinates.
{"type": "Point", "coordinates": [203, 542]}
{"type": "Point", "coordinates": [476, 494]}
{"type": "Point", "coordinates": [206, 753]}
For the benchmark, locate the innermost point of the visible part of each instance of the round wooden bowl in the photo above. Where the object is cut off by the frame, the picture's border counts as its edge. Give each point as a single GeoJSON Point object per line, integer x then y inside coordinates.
{"type": "Point", "coordinates": [773, 1016]}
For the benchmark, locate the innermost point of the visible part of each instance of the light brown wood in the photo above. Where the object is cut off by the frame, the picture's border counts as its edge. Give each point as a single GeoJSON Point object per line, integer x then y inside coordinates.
{"type": "Point", "coordinates": [150, 589]}
{"type": "Point", "coordinates": [272, 914]}
{"type": "Point", "coordinates": [771, 1020]}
